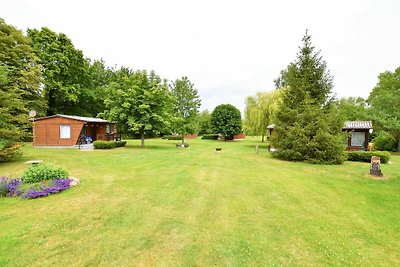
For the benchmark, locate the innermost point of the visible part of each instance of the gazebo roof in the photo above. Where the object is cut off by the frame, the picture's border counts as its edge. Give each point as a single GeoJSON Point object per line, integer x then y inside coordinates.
{"type": "Point", "coordinates": [357, 125]}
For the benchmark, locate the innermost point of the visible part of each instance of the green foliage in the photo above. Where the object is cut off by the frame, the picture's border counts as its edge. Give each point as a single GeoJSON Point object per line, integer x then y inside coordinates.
{"type": "Point", "coordinates": [19, 89]}
{"type": "Point", "coordinates": [172, 137]}
{"type": "Point", "coordinates": [40, 172]}
{"type": "Point", "coordinates": [65, 72]}
{"type": "Point", "coordinates": [226, 120]}
{"type": "Point", "coordinates": [308, 126]}
{"type": "Point", "coordinates": [365, 156]}
{"type": "Point", "coordinates": [185, 107]}
{"type": "Point", "coordinates": [204, 121]}
{"type": "Point", "coordinates": [104, 144]}
{"type": "Point", "coordinates": [210, 136]}
{"type": "Point", "coordinates": [120, 143]}
{"type": "Point", "coordinates": [139, 102]}
{"type": "Point", "coordinates": [10, 151]}
{"type": "Point", "coordinates": [260, 112]}
{"type": "Point", "coordinates": [384, 100]}
{"type": "Point", "coordinates": [353, 109]}
{"type": "Point", "coordinates": [385, 142]}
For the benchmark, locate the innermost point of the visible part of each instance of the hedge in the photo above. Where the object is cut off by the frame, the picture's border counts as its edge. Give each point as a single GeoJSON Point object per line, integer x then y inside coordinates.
{"type": "Point", "coordinates": [172, 137]}
{"type": "Point", "coordinates": [210, 136]}
{"type": "Point", "coordinates": [365, 156]}
{"type": "Point", "coordinates": [120, 143]}
{"type": "Point", "coordinates": [108, 144]}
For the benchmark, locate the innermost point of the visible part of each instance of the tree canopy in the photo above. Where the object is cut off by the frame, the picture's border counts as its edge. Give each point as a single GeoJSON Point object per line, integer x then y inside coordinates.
{"type": "Point", "coordinates": [140, 102]}
{"type": "Point", "coordinates": [385, 103]}
{"type": "Point", "coordinates": [260, 112]}
{"type": "Point", "coordinates": [226, 120]}
{"type": "Point", "coordinates": [308, 126]}
{"type": "Point", "coordinates": [185, 107]}
{"type": "Point", "coordinates": [20, 91]}
{"type": "Point", "coordinates": [64, 71]}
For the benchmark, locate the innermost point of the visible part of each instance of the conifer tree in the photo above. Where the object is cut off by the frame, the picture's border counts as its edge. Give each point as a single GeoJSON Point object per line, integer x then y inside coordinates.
{"type": "Point", "coordinates": [308, 126]}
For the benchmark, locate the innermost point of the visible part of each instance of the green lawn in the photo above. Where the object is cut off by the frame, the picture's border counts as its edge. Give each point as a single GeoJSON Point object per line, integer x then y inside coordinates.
{"type": "Point", "coordinates": [194, 207]}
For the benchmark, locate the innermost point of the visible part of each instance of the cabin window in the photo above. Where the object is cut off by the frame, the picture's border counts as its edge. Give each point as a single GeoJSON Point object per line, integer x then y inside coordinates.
{"type": "Point", "coordinates": [108, 128]}
{"type": "Point", "coordinates": [357, 139]}
{"type": "Point", "coordinates": [65, 131]}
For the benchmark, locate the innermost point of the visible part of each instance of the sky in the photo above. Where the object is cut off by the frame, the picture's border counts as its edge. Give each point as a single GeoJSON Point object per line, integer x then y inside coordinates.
{"type": "Point", "coordinates": [228, 49]}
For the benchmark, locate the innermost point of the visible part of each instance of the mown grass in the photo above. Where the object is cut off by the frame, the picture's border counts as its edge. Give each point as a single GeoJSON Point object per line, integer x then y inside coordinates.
{"type": "Point", "coordinates": [194, 207]}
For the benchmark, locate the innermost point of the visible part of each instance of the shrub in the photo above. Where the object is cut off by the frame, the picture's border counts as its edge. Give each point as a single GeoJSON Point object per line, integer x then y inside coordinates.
{"type": "Point", "coordinates": [120, 143]}
{"type": "Point", "coordinates": [9, 151]}
{"type": "Point", "coordinates": [172, 137]}
{"type": "Point", "coordinates": [104, 144]}
{"type": "Point", "coordinates": [365, 156]}
{"type": "Point", "coordinates": [210, 136]}
{"type": "Point", "coordinates": [39, 172]}
{"type": "Point", "coordinates": [385, 142]}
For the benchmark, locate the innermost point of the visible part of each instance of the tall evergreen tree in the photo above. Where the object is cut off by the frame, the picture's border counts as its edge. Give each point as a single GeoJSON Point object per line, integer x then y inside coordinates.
{"type": "Point", "coordinates": [186, 106]}
{"type": "Point", "coordinates": [308, 126]}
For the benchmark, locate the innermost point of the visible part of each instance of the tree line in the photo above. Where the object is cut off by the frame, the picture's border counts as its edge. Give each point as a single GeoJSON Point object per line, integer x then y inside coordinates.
{"type": "Point", "coordinates": [43, 71]}
{"type": "Point", "coordinates": [308, 117]}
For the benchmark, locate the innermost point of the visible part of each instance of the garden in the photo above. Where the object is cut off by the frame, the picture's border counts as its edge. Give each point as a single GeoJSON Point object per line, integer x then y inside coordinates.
{"type": "Point", "coordinates": [165, 206]}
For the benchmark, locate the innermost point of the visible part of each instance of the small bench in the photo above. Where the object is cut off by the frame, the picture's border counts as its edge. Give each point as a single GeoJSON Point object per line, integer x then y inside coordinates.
{"type": "Point", "coordinates": [34, 162]}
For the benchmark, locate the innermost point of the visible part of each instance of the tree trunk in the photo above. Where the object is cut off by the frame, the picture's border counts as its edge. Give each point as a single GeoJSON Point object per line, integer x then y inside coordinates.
{"type": "Point", "coordinates": [398, 145]}
{"type": "Point", "coordinates": [183, 138]}
{"type": "Point", "coordinates": [262, 138]}
{"type": "Point", "coordinates": [142, 139]}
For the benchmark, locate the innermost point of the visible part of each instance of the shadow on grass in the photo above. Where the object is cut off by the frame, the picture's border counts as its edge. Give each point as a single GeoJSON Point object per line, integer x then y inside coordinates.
{"type": "Point", "coordinates": [155, 147]}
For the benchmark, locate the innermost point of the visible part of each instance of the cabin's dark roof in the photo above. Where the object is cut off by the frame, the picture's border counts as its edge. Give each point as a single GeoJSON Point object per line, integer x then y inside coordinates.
{"type": "Point", "coordinates": [79, 118]}
{"type": "Point", "coordinates": [358, 125]}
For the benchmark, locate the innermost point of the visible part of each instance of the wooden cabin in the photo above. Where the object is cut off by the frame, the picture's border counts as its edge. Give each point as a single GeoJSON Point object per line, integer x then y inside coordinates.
{"type": "Point", "coordinates": [358, 134]}
{"type": "Point", "coordinates": [67, 130]}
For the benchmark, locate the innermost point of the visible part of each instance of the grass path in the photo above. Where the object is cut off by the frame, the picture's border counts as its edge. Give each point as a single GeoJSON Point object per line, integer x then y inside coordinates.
{"type": "Point", "coordinates": [193, 207]}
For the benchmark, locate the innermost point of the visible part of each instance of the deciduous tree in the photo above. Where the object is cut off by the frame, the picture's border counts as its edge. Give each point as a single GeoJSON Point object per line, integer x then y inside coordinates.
{"type": "Point", "coordinates": [140, 102]}
{"type": "Point", "coordinates": [186, 106]}
{"type": "Point", "coordinates": [260, 111]}
{"type": "Point", "coordinates": [385, 103]}
{"type": "Point", "coordinates": [226, 120]}
{"type": "Point", "coordinates": [65, 71]}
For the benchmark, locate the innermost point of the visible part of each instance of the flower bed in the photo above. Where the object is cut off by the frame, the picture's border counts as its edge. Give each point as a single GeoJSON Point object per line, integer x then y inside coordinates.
{"type": "Point", "coordinates": [13, 187]}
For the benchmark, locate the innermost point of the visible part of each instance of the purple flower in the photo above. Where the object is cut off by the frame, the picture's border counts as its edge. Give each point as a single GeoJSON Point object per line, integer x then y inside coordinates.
{"type": "Point", "coordinates": [57, 186]}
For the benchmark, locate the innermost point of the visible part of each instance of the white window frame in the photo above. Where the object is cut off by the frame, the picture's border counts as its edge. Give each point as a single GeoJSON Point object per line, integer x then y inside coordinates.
{"type": "Point", "coordinates": [356, 139]}
{"type": "Point", "coordinates": [65, 131]}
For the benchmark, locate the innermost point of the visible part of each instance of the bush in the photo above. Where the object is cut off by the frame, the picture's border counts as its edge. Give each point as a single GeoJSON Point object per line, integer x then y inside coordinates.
{"type": "Point", "coordinates": [10, 187]}
{"type": "Point", "coordinates": [104, 144]}
{"type": "Point", "coordinates": [40, 172]}
{"type": "Point", "coordinates": [120, 143]}
{"type": "Point", "coordinates": [172, 137]}
{"type": "Point", "coordinates": [9, 151]}
{"type": "Point", "coordinates": [385, 142]}
{"type": "Point", "coordinates": [210, 136]}
{"type": "Point", "coordinates": [365, 156]}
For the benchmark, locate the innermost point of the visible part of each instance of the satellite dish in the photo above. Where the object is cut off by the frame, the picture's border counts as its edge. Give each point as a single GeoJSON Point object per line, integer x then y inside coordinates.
{"type": "Point", "coordinates": [32, 113]}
